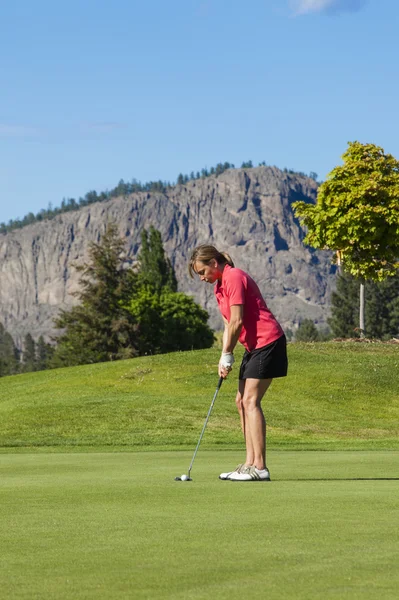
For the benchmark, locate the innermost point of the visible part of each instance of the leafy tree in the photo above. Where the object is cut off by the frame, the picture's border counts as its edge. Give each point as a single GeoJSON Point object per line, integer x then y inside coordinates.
{"type": "Point", "coordinates": [184, 323]}
{"type": "Point", "coordinates": [100, 328]}
{"type": "Point", "coordinates": [169, 321]}
{"type": "Point", "coordinates": [357, 215]}
{"type": "Point", "coordinates": [155, 269]}
{"type": "Point", "coordinates": [166, 320]}
{"type": "Point", "coordinates": [307, 332]}
{"type": "Point", "coordinates": [29, 354]}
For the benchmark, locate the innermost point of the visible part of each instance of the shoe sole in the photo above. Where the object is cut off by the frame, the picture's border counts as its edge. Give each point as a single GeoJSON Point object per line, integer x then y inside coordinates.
{"type": "Point", "coordinates": [246, 480]}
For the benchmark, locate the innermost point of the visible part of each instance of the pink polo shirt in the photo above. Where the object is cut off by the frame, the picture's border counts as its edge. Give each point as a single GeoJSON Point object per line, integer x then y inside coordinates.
{"type": "Point", "coordinates": [259, 324]}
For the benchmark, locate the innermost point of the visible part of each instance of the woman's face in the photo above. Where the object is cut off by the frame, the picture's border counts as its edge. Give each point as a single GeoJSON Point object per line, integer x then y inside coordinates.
{"type": "Point", "coordinates": [207, 272]}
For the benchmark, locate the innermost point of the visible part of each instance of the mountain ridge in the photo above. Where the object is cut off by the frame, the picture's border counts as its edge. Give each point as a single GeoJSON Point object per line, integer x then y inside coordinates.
{"type": "Point", "coordinates": [246, 212]}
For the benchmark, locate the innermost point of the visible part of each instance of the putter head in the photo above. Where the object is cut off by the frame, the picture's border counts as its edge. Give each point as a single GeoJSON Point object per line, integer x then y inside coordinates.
{"type": "Point", "coordinates": [180, 479]}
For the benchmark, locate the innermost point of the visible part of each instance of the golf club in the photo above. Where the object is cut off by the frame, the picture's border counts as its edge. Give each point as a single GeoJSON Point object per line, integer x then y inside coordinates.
{"type": "Point", "coordinates": [187, 477]}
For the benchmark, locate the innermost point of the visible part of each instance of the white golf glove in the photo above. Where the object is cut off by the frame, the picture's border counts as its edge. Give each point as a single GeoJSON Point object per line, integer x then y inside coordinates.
{"type": "Point", "coordinates": [227, 360]}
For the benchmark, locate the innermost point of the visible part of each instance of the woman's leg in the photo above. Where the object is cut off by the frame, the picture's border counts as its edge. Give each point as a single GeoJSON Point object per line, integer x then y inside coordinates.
{"type": "Point", "coordinates": [253, 420]}
{"type": "Point", "coordinates": [246, 433]}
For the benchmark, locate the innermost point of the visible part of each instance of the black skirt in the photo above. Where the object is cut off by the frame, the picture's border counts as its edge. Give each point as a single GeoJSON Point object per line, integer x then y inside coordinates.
{"type": "Point", "coordinates": [267, 362]}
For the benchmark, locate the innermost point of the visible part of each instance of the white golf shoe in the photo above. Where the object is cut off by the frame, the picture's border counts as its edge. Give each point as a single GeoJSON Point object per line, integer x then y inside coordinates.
{"type": "Point", "coordinates": [250, 474]}
{"type": "Point", "coordinates": [227, 475]}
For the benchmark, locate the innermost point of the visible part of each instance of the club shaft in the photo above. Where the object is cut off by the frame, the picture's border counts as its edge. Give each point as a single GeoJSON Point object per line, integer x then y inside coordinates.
{"type": "Point", "coordinates": [205, 424]}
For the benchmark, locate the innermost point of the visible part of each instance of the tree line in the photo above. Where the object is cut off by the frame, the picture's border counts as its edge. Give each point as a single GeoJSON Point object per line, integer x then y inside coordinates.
{"type": "Point", "coordinates": [125, 313]}
{"type": "Point", "coordinates": [36, 356]}
{"type": "Point", "coordinates": [125, 188]}
{"type": "Point", "coordinates": [381, 312]}
{"type": "Point", "coordinates": [124, 310]}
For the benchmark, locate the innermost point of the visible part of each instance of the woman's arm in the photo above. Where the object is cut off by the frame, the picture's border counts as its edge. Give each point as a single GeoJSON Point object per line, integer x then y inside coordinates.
{"type": "Point", "coordinates": [231, 334]}
{"type": "Point", "coordinates": [232, 328]}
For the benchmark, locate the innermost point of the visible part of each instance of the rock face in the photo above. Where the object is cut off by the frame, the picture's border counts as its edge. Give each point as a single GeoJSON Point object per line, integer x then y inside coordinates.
{"type": "Point", "coordinates": [246, 212]}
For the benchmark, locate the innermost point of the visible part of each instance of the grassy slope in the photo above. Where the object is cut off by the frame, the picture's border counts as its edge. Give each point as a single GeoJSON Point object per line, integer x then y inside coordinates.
{"type": "Point", "coordinates": [337, 395]}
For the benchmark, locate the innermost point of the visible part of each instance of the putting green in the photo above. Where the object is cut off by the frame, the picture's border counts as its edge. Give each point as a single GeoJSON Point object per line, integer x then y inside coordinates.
{"type": "Point", "coordinates": [117, 525]}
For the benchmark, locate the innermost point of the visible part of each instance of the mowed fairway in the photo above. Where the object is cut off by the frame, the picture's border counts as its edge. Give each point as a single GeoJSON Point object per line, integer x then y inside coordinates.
{"type": "Point", "coordinates": [89, 508]}
{"type": "Point", "coordinates": [116, 525]}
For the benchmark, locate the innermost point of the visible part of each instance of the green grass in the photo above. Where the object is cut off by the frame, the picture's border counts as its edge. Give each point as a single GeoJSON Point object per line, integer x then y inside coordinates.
{"type": "Point", "coordinates": [90, 508]}
{"type": "Point", "coordinates": [337, 395]}
{"type": "Point", "coordinates": [82, 526]}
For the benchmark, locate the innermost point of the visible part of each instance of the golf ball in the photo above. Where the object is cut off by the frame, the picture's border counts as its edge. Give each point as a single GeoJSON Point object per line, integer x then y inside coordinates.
{"type": "Point", "coordinates": [184, 477]}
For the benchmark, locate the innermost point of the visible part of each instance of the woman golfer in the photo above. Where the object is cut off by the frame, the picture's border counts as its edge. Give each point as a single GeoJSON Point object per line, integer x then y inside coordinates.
{"type": "Point", "coordinates": [247, 320]}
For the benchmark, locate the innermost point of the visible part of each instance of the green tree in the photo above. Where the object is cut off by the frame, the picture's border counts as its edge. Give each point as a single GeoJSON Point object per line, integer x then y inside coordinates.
{"type": "Point", "coordinates": [166, 320]}
{"type": "Point", "coordinates": [99, 328]}
{"type": "Point", "coordinates": [307, 332]}
{"type": "Point", "coordinates": [29, 354]}
{"type": "Point", "coordinates": [9, 355]}
{"type": "Point", "coordinates": [44, 354]}
{"type": "Point", "coordinates": [381, 307]}
{"type": "Point", "coordinates": [357, 215]}
{"type": "Point", "coordinates": [344, 320]}
{"type": "Point", "coordinates": [156, 270]}
{"type": "Point", "coordinates": [169, 321]}
{"type": "Point", "coordinates": [184, 323]}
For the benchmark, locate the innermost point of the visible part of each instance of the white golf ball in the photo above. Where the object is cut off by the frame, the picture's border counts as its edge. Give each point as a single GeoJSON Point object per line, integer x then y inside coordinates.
{"type": "Point", "coordinates": [184, 477]}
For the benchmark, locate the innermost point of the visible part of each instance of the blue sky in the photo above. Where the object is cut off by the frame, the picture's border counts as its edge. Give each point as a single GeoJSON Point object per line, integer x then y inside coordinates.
{"type": "Point", "coordinates": [96, 91]}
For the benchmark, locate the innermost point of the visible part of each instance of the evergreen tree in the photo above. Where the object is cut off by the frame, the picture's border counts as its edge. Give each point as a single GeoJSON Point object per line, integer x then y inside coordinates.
{"type": "Point", "coordinates": [344, 320]}
{"type": "Point", "coordinates": [100, 328]}
{"type": "Point", "coordinates": [155, 269]}
{"type": "Point", "coordinates": [9, 355]}
{"type": "Point", "coordinates": [44, 354]}
{"type": "Point", "coordinates": [382, 304]}
{"type": "Point", "coordinates": [381, 308]}
{"type": "Point", "coordinates": [29, 354]}
{"type": "Point", "coordinates": [307, 332]}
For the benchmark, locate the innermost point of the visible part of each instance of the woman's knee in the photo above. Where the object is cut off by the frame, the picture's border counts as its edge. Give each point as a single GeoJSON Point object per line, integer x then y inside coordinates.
{"type": "Point", "coordinates": [239, 402]}
{"type": "Point", "coordinates": [250, 402]}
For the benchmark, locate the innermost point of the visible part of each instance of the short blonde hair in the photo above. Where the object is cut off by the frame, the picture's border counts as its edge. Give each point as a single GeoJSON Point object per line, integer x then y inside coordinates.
{"type": "Point", "coordinates": [205, 253]}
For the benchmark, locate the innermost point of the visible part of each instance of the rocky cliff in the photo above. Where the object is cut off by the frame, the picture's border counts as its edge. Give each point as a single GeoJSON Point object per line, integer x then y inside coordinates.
{"type": "Point", "coordinates": [246, 212]}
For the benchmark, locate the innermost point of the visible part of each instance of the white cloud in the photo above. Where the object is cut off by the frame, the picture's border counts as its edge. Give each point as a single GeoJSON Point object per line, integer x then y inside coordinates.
{"type": "Point", "coordinates": [302, 7]}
